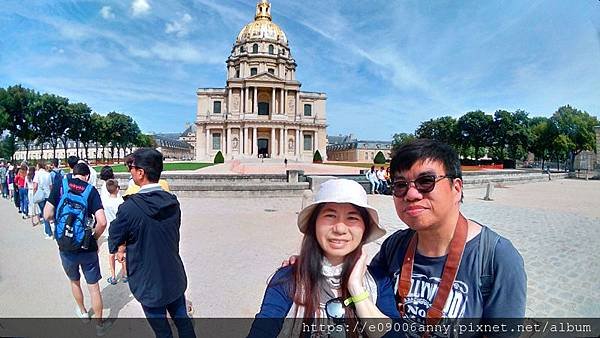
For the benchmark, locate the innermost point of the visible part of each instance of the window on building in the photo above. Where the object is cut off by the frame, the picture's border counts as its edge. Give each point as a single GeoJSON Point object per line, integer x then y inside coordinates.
{"type": "Point", "coordinates": [253, 71]}
{"type": "Point", "coordinates": [272, 71]}
{"type": "Point", "coordinates": [271, 49]}
{"type": "Point", "coordinates": [217, 107]}
{"type": "Point", "coordinates": [366, 155]}
{"type": "Point", "coordinates": [255, 48]}
{"type": "Point", "coordinates": [263, 108]}
{"type": "Point", "coordinates": [242, 49]}
{"type": "Point", "coordinates": [308, 142]}
{"type": "Point", "coordinates": [216, 141]}
{"type": "Point", "coordinates": [307, 110]}
{"type": "Point", "coordinates": [237, 73]}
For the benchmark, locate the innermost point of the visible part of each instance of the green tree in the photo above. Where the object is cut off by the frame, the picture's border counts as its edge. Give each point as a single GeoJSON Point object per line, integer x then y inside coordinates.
{"type": "Point", "coordinates": [543, 133]}
{"type": "Point", "coordinates": [510, 134]}
{"type": "Point", "coordinates": [79, 117]}
{"type": "Point", "coordinates": [8, 146]}
{"type": "Point", "coordinates": [379, 158]}
{"type": "Point", "coordinates": [443, 129]}
{"type": "Point", "coordinates": [100, 133]}
{"type": "Point", "coordinates": [317, 158]}
{"type": "Point", "coordinates": [18, 103]}
{"type": "Point", "coordinates": [219, 158]}
{"type": "Point", "coordinates": [401, 139]}
{"type": "Point", "coordinates": [578, 127]}
{"type": "Point", "coordinates": [52, 110]}
{"type": "Point", "coordinates": [4, 116]}
{"type": "Point", "coordinates": [475, 131]}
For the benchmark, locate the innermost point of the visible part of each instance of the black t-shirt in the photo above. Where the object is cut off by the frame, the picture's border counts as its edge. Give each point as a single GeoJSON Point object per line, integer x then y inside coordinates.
{"type": "Point", "coordinates": [94, 203]}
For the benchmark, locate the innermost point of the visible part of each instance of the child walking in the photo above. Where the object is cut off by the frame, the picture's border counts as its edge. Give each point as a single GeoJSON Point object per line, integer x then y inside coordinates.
{"type": "Point", "coordinates": [111, 204]}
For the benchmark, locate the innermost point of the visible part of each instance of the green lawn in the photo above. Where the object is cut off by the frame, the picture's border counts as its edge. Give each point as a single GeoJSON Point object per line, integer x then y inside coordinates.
{"type": "Point", "coordinates": [121, 168]}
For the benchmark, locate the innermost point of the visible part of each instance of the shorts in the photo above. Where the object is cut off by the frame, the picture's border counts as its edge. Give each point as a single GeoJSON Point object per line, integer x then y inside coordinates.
{"type": "Point", "coordinates": [71, 261]}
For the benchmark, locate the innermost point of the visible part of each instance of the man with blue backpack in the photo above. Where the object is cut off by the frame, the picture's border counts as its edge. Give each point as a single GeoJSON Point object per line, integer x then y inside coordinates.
{"type": "Point", "coordinates": [74, 205]}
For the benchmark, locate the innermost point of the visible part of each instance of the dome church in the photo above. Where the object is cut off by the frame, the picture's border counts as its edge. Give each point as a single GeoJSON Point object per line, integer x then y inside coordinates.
{"type": "Point", "coordinates": [261, 113]}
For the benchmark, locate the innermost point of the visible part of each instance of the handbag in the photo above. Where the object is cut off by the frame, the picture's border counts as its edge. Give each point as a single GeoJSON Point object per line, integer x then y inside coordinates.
{"type": "Point", "coordinates": [39, 196]}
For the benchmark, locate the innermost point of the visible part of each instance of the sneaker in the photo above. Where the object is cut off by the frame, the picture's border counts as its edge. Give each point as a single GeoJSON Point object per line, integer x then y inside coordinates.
{"type": "Point", "coordinates": [85, 317]}
{"type": "Point", "coordinates": [112, 280]}
{"type": "Point", "coordinates": [48, 237]}
{"type": "Point", "coordinates": [106, 326]}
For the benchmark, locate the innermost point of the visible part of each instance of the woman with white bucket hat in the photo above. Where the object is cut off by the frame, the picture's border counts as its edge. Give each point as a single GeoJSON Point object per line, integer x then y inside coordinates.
{"type": "Point", "coordinates": [316, 289]}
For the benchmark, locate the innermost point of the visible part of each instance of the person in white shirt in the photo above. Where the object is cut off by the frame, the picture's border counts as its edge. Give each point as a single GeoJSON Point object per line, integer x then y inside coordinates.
{"type": "Point", "coordinates": [111, 205]}
{"type": "Point", "coordinates": [382, 181]}
{"type": "Point", "coordinates": [42, 181]}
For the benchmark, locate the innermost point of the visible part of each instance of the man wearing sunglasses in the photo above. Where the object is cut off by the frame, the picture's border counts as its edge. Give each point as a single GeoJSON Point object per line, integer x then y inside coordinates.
{"type": "Point", "coordinates": [148, 225]}
{"type": "Point", "coordinates": [444, 266]}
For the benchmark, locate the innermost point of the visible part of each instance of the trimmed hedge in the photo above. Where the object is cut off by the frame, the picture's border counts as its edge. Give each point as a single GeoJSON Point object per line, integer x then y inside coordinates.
{"type": "Point", "coordinates": [379, 158]}
{"type": "Point", "coordinates": [317, 157]}
{"type": "Point", "coordinates": [219, 158]}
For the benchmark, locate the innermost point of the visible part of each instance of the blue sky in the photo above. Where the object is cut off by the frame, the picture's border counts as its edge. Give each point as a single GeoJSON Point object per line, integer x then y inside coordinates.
{"type": "Point", "coordinates": [386, 65]}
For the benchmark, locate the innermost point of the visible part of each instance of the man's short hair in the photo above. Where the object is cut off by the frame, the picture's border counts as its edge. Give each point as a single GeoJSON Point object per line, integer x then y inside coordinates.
{"type": "Point", "coordinates": [149, 159]}
{"type": "Point", "coordinates": [55, 162]}
{"type": "Point", "coordinates": [425, 149]}
{"type": "Point", "coordinates": [112, 186]}
{"type": "Point", "coordinates": [81, 169]}
{"type": "Point", "coordinates": [72, 161]}
{"type": "Point", "coordinates": [106, 173]}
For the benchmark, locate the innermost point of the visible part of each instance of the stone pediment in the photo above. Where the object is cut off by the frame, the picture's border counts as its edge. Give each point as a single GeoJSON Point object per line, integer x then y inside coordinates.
{"type": "Point", "coordinates": [264, 77]}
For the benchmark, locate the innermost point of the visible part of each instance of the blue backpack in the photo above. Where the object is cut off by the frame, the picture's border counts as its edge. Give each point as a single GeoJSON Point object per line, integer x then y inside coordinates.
{"type": "Point", "coordinates": [72, 232]}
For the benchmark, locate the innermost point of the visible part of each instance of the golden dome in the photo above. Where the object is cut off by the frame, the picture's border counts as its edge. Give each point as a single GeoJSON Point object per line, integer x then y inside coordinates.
{"type": "Point", "coordinates": [262, 28]}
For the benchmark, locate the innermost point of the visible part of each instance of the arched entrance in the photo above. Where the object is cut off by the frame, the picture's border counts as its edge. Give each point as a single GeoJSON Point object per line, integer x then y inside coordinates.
{"type": "Point", "coordinates": [263, 147]}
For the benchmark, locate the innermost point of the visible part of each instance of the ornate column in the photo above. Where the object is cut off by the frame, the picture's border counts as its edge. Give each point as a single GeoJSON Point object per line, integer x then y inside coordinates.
{"type": "Point", "coordinates": [229, 101]}
{"type": "Point", "coordinates": [207, 140]}
{"type": "Point", "coordinates": [281, 142]}
{"type": "Point", "coordinates": [272, 152]}
{"type": "Point", "coordinates": [273, 108]}
{"type": "Point", "coordinates": [254, 141]}
{"type": "Point", "coordinates": [283, 99]}
{"type": "Point", "coordinates": [297, 103]}
{"type": "Point", "coordinates": [255, 101]}
{"type": "Point", "coordinates": [244, 143]}
{"type": "Point", "coordinates": [228, 149]}
{"type": "Point", "coordinates": [298, 142]}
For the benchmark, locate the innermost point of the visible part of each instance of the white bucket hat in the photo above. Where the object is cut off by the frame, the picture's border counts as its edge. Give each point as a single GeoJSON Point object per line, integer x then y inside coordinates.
{"type": "Point", "coordinates": [342, 191]}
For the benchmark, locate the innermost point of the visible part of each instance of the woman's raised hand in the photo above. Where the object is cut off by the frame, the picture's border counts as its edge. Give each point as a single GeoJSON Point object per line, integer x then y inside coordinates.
{"type": "Point", "coordinates": [357, 276]}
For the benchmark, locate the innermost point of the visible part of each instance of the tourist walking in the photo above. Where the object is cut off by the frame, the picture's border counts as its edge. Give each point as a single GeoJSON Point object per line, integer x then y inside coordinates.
{"type": "Point", "coordinates": [29, 184]}
{"type": "Point", "coordinates": [372, 177]}
{"type": "Point", "coordinates": [148, 224]}
{"type": "Point", "coordinates": [42, 182]}
{"type": "Point", "coordinates": [78, 247]}
{"type": "Point", "coordinates": [316, 288]}
{"type": "Point", "coordinates": [20, 180]}
{"type": "Point", "coordinates": [3, 183]}
{"type": "Point", "coordinates": [111, 203]}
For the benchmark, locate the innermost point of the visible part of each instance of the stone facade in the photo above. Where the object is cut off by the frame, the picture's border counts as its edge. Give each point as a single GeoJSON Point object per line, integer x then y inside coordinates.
{"type": "Point", "coordinates": [261, 112]}
{"type": "Point", "coordinates": [348, 149]}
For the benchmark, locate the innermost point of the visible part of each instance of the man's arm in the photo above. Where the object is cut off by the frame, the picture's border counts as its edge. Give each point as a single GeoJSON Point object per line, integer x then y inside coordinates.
{"type": "Point", "coordinates": [118, 230]}
{"type": "Point", "coordinates": [48, 211]}
{"type": "Point", "coordinates": [100, 223]}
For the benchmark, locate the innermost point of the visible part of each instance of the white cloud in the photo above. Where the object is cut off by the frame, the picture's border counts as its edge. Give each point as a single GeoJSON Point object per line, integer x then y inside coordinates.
{"type": "Point", "coordinates": [179, 27]}
{"type": "Point", "coordinates": [107, 13]}
{"type": "Point", "coordinates": [178, 53]}
{"type": "Point", "coordinates": [140, 7]}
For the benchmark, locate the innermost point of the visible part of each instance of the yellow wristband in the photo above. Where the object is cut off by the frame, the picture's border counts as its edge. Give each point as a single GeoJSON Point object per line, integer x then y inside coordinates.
{"type": "Point", "coordinates": [357, 298]}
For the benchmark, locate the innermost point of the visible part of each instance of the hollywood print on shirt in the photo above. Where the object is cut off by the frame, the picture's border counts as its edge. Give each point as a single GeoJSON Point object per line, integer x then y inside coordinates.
{"type": "Point", "coordinates": [422, 292]}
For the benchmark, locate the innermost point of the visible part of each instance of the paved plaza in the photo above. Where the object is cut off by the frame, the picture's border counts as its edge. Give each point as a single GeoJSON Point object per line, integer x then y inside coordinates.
{"type": "Point", "coordinates": [230, 247]}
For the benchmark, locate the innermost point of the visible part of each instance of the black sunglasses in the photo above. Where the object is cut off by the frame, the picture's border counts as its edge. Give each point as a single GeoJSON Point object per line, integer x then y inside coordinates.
{"type": "Point", "coordinates": [132, 166]}
{"type": "Point", "coordinates": [334, 308]}
{"type": "Point", "coordinates": [423, 184]}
